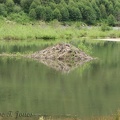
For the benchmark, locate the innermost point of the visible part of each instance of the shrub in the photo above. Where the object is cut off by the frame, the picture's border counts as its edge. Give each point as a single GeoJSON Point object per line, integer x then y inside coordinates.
{"type": "Point", "coordinates": [105, 27]}
{"type": "Point", "coordinates": [19, 17]}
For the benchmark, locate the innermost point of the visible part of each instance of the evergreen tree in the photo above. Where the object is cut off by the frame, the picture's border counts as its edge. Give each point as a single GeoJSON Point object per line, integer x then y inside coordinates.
{"type": "Point", "coordinates": [65, 14]}
{"type": "Point", "coordinates": [111, 20]}
{"type": "Point", "coordinates": [74, 13]}
{"type": "Point", "coordinates": [49, 14]}
{"type": "Point", "coordinates": [52, 5]}
{"type": "Point", "coordinates": [57, 1]}
{"type": "Point", "coordinates": [103, 11]}
{"type": "Point", "coordinates": [66, 1]}
{"type": "Point", "coordinates": [63, 3]}
{"type": "Point", "coordinates": [33, 5]}
{"type": "Point", "coordinates": [17, 1]}
{"type": "Point", "coordinates": [26, 4]}
{"type": "Point", "coordinates": [117, 4]}
{"type": "Point", "coordinates": [110, 9]}
{"type": "Point", "coordinates": [32, 13]}
{"type": "Point", "coordinates": [2, 1]}
{"type": "Point", "coordinates": [89, 15]}
{"type": "Point", "coordinates": [17, 9]}
{"type": "Point", "coordinates": [57, 15]}
{"type": "Point", "coordinates": [72, 3]}
{"type": "Point", "coordinates": [3, 11]}
{"type": "Point", "coordinates": [40, 12]}
{"type": "Point", "coordinates": [96, 9]}
{"type": "Point", "coordinates": [117, 13]}
{"type": "Point", "coordinates": [88, 11]}
{"type": "Point", "coordinates": [9, 5]}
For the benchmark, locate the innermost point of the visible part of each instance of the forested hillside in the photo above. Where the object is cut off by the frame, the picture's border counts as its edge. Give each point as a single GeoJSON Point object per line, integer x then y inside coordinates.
{"type": "Point", "coordinates": [88, 11]}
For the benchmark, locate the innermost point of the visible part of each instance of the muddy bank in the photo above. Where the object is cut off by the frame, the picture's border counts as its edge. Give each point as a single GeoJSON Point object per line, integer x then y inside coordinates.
{"type": "Point", "coordinates": [63, 57]}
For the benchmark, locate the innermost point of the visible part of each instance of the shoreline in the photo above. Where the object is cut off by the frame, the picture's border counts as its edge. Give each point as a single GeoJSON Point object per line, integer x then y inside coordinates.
{"type": "Point", "coordinates": [110, 39]}
{"type": "Point", "coordinates": [56, 31]}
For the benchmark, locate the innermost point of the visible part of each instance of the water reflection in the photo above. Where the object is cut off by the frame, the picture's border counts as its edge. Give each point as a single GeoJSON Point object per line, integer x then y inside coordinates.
{"type": "Point", "coordinates": [61, 66]}
{"type": "Point", "coordinates": [90, 90]}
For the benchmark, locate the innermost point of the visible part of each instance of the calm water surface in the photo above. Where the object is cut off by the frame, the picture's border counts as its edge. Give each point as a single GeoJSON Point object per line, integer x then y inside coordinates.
{"type": "Point", "coordinates": [90, 90]}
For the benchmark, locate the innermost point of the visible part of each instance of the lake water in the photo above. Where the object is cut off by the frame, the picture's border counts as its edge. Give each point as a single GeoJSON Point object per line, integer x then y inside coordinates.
{"type": "Point", "coordinates": [90, 90]}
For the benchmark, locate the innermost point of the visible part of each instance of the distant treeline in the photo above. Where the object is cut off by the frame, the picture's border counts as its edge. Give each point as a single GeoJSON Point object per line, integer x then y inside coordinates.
{"type": "Point", "coordinates": [88, 11]}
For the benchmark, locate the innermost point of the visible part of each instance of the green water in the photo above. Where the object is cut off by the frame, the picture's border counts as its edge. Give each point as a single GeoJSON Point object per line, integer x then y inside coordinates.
{"type": "Point", "coordinates": [90, 90]}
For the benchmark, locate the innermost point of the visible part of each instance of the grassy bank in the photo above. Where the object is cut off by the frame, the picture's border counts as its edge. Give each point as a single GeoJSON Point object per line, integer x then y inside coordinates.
{"type": "Point", "coordinates": [40, 30]}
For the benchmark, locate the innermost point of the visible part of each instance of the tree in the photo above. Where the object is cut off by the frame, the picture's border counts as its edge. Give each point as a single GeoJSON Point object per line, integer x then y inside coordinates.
{"type": "Point", "coordinates": [117, 4]}
{"type": "Point", "coordinates": [2, 1]}
{"type": "Point", "coordinates": [111, 20]}
{"type": "Point", "coordinates": [67, 1]}
{"type": "Point", "coordinates": [32, 13]}
{"type": "Point", "coordinates": [65, 14]}
{"type": "Point", "coordinates": [110, 9]}
{"type": "Point", "coordinates": [117, 13]}
{"type": "Point", "coordinates": [52, 5]}
{"type": "Point", "coordinates": [96, 9]}
{"type": "Point", "coordinates": [105, 3]}
{"type": "Point", "coordinates": [103, 11]}
{"type": "Point", "coordinates": [26, 4]}
{"type": "Point", "coordinates": [98, 13]}
{"type": "Point", "coordinates": [81, 7]}
{"type": "Point", "coordinates": [33, 5]}
{"type": "Point", "coordinates": [57, 15]}
{"type": "Point", "coordinates": [10, 4]}
{"type": "Point", "coordinates": [63, 3]}
{"type": "Point", "coordinates": [3, 10]}
{"type": "Point", "coordinates": [17, 1]}
{"type": "Point", "coordinates": [89, 15]}
{"type": "Point", "coordinates": [74, 13]}
{"type": "Point", "coordinates": [88, 11]}
{"type": "Point", "coordinates": [72, 3]}
{"type": "Point", "coordinates": [49, 14]}
{"type": "Point", "coordinates": [40, 12]}
{"type": "Point", "coordinates": [17, 9]}
{"type": "Point", "coordinates": [57, 1]}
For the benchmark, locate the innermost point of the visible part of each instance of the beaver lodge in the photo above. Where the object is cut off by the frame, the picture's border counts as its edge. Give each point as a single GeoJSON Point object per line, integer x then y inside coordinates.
{"type": "Point", "coordinates": [63, 57]}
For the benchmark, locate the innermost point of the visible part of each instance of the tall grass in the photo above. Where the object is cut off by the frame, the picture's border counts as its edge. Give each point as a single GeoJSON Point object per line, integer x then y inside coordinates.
{"type": "Point", "coordinates": [40, 30]}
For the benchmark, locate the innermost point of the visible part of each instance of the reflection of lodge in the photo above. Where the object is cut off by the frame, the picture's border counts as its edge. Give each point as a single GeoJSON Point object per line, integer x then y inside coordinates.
{"type": "Point", "coordinates": [61, 65]}
{"type": "Point", "coordinates": [62, 57]}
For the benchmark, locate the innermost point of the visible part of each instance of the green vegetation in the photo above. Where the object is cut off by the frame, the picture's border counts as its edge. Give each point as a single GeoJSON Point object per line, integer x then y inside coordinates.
{"type": "Point", "coordinates": [57, 19]}
{"type": "Point", "coordinates": [54, 30]}
{"type": "Point", "coordinates": [88, 11]}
